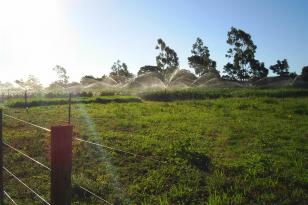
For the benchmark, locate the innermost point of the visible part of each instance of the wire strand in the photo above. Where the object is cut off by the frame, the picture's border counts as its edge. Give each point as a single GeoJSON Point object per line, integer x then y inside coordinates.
{"type": "Point", "coordinates": [9, 197]}
{"type": "Point", "coordinates": [29, 123]}
{"type": "Point", "coordinates": [93, 194]}
{"type": "Point", "coordinates": [117, 150]}
{"type": "Point", "coordinates": [27, 156]}
{"type": "Point", "coordinates": [19, 180]}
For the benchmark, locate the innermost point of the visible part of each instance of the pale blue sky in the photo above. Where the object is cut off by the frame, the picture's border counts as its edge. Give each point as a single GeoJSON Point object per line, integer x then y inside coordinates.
{"type": "Point", "coordinates": [87, 36]}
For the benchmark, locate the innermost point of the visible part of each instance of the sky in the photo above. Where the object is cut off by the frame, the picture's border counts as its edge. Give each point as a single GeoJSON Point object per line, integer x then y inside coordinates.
{"type": "Point", "coordinates": [87, 36]}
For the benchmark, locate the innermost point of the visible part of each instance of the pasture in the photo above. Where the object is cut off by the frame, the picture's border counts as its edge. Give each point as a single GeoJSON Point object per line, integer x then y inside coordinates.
{"type": "Point", "coordinates": [235, 149]}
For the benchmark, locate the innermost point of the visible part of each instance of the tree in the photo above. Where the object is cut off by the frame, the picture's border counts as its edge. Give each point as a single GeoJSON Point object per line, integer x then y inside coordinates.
{"type": "Point", "coordinates": [120, 71]}
{"type": "Point", "coordinates": [167, 59]}
{"type": "Point", "coordinates": [200, 59]}
{"type": "Point", "coordinates": [281, 67]}
{"type": "Point", "coordinates": [293, 74]}
{"type": "Point", "coordinates": [305, 73]}
{"type": "Point", "coordinates": [30, 84]}
{"type": "Point", "coordinates": [258, 69]}
{"type": "Point", "coordinates": [148, 69]}
{"type": "Point", "coordinates": [243, 54]}
{"type": "Point", "coordinates": [62, 76]}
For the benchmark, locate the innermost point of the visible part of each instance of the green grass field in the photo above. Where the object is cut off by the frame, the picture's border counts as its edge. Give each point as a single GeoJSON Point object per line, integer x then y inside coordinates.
{"type": "Point", "coordinates": [234, 150]}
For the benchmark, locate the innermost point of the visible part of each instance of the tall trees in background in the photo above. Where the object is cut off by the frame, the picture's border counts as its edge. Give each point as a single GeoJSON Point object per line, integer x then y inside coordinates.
{"type": "Point", "coordinates": [62, 76]}
{"type": "Point", "coordinates": [167, 59]}
{"type": "Point", "coordinates": [200, 59]}
{"type": "Point", "coordinates": [119, 72]}
{"type": "Point", "coordinates": [242, 53]}
{"type": "Point", "coordinates": [281, 67]}
{"type": "Point", "coordinates": [31, 83]}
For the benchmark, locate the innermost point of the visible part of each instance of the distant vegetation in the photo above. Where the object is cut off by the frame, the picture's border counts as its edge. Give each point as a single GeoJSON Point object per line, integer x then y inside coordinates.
{"type": "Point", "coordinates": [242, 70]}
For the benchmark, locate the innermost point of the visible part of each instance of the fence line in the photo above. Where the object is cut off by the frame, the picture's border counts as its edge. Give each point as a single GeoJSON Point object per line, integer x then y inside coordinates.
{"type": "Point", "coordinates": [89, 142]}
{"type": "Point", "coordinates": [29, 123]}
{"type": "Point", "coordinates": [9, 197]}
{"type": "Point", "coordinates": [29, 188]}
{"type": "Point", "coordinates": [49, 169]}
{"type": "Point", "coordinates": [46, 167]}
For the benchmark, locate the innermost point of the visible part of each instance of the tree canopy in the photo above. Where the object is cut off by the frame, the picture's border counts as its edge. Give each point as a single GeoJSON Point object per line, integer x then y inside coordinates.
{"type": "Point", "coordinates": [242, 51]}
{"type": "Point", "coordinates": [119, 71]}
{"type": "Point", "coordinates": [31, 83]}
{"type": "Point", "coordinates": [62, 76]}
{"type": "Point", "coordinates": [167, 59]}
{"type": "Point", "coordinates": [281, 67]}
{"type": "Point", "coordinates": [200, 59]}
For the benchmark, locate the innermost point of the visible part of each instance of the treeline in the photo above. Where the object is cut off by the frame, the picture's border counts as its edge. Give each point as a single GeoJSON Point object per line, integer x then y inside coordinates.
{"type": "Point", "coordinates": [242, 66]}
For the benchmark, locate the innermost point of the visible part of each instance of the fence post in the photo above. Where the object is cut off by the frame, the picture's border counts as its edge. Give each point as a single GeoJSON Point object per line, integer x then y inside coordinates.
{"type": "Point", "coordinates": [1, 160]}
{"type": "Point", "coordinates": [26, 99]}
{"type": "Point", "coordinates": [61, 164]}
{"type": "Point", "coordinates": [69, 108]}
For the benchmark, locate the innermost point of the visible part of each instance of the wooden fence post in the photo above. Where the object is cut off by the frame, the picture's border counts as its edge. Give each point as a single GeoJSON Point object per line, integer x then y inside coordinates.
{"type": "Point", "coordinates": [26, 99]}
{"type": "Point", "coordinates": [69, 108]}
{"type": "Point", "coordinates": [61, 164]}
{"type": "Point", "coordinates": [1, 160]}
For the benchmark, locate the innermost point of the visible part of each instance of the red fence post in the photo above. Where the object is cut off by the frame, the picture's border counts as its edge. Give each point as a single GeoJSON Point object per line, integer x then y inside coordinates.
{"type": "Point", "coordinates": [69, 108]}
{"type": "Point", "coordinates": [61, 164]}
{"type": "Point", "coordinates": [1, 160]}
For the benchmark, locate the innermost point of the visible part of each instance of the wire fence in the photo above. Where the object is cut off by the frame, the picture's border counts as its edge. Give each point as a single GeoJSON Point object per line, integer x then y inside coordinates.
{"type": "Point", "coordinates": [28, 157]}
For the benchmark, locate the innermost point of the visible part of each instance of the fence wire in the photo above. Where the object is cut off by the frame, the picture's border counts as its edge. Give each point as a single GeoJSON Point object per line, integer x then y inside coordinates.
{"type": "Point", "coordinates": [27, 156]}
{"type": "Point", "coordinates": [119, 150]}
{"type": "Point", "coordinates": [26, 122]}
{"type": "Point", "coordinates": [96, 196]}
{"type": "Point", "coordinates": [10, 198]}
{"type": "Point", "coordinates": [25, 185]}
{"type": "Point", "coordinates": [46, 167]}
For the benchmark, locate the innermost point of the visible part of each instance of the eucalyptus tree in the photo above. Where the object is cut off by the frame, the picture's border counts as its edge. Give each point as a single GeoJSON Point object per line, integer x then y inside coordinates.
{"type": "Point", "coordinates": [200, 59]}
{"type": "Point", "coordinates": [167, 59]}
{"type": "Point", "coordinates": [281, 67]}
{"type": "Point", "coordinates": [244, 66]}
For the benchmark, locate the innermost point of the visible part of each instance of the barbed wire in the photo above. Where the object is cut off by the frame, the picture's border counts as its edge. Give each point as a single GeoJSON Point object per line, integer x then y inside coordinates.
{"type": "Point", "coordinates": [9, 197]}
{"type": "Point", "coordinates": [29, 188]}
